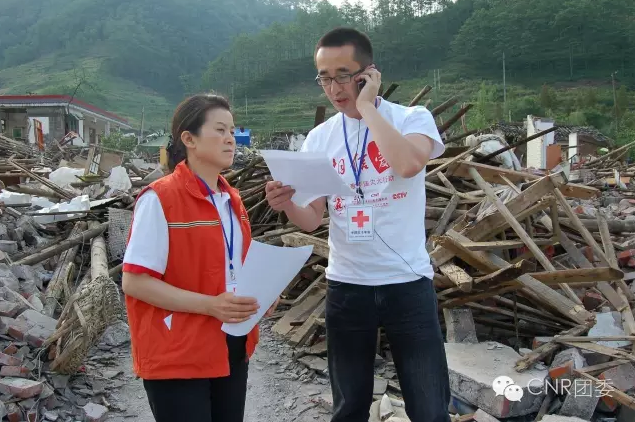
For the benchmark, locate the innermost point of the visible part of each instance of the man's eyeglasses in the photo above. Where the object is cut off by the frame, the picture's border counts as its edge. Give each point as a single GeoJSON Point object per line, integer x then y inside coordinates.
{"type": "Point", "coordinates": [340, 79]}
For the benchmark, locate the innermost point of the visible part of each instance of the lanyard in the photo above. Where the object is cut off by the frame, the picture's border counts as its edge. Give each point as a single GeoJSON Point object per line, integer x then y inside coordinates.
{"type": "Point", "coordinates": [357, 170]}
{"type": "Point", "coordinates": [229, 243]}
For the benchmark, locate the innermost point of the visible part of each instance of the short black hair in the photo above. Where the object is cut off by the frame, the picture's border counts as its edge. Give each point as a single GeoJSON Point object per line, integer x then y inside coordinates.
{"type": "Point", "coordinates": [342, 36]}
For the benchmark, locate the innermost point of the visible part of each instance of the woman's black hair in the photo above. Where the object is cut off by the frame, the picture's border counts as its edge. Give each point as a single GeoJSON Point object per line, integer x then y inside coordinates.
{"type": "Point", "coordinates": [189, 116]}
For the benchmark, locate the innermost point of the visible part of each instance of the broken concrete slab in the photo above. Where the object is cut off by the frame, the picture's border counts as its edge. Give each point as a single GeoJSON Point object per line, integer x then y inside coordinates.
{"type": "Point", "coordinates": [8, 279]}
{"type": "Point", "coordinates": [474, 369]}
{"type": "Point", "coordinates": [9, 246]}
{"type": "Point", "coordinates": [558, 418]}
{"type": "Point", "coordinates": [482, 416]}
{"type": "Point", "coordinates": [581, 404]}
{"type": "Point", "coordinates": [621, 377]}
{"type": "Point", "coordinates": [608, 324]}
{"type": "Point", "coordinates": [380, 386]}
{"type": "Point", "coordinates": [459, 325]}
{"type": "Point", "coordinates": [565, 362]}
{"type": "Point", "coordinates": [95, 412]}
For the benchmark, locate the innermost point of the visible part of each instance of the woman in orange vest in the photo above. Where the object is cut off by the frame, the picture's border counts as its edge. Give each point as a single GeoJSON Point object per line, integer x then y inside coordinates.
{"type": "Point", "coordinates": [189, 236]}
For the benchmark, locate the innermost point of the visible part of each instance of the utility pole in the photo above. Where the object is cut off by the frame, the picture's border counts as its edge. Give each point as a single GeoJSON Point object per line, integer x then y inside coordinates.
{"type": "Point", "coordinates": [143, 113]}
{"type": "Point", "coordinates": [614, 99]}
{"type": "Point", "coordinates": [504, 86]}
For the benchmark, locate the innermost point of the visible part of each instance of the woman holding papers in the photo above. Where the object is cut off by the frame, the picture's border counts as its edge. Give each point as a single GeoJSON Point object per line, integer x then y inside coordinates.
{"type": "Point", "coordinates": [189, 237]}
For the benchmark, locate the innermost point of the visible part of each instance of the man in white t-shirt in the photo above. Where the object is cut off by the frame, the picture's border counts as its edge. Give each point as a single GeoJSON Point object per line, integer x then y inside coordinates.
{"type": "Point", "coordinates": [379, 272]}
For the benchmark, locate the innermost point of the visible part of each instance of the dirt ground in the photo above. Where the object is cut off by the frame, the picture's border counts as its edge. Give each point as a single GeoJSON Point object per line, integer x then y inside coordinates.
{"type": "Point", "coordinates": [275, 392]}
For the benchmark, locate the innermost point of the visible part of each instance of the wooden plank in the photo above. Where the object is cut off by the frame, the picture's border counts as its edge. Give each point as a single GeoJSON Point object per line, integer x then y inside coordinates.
{"type": "Point", "coordinates": [307, 329]}
{"type": "Point", "coordinates": [578, 275]}
{"type": "Point", "coordinates": [516, 226]}
{"type": "Point", "coordinates": [445, 218]}
{"type": "Point", "coordinates": [505, 274]}
{"type": "Point", "coordinates": [538, 354]}
{"type": "Point", "coordinates": [503, 244]}
{"type": "Point", "coordinates": [493, 175]}
{"type": "Point", "coordinates": [598, 348]}
{"type": "Point", "coordinates": [603, 286]}
{"type": "Point", "coordinates": [628, 320]}
{"type": "Point", "coordinates": [529, 318]}
{"type": "Point", "coordinates": [601, 367]}
{"type": "Point", "coordinates": [283, 325]}
{"type": "Point", "coordinates": [609, 251]}
{"type": "Point", "coordinates": [320, 246]}
{"type": "Point", "coordinates": [457, 276]}
{"type": "Point", "coordinates": [565, 306]}
{"type": "Point", "coordinates": [586, 235]}
{"type": "Point", "coordinates": [529, 199]}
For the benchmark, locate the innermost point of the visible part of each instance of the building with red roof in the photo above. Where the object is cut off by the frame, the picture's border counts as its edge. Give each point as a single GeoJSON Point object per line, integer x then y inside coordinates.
{"type": "Point", "coordinates": [25, 117]}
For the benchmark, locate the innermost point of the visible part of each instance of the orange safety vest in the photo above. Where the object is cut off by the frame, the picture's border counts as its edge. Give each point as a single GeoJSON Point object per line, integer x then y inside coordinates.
{"type": "Point", "coordinates": [194, 346]}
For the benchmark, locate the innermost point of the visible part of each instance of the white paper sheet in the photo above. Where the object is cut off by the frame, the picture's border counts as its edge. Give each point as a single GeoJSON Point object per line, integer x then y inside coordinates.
{"type": "Point", "coordinates": [267, 270]}
{"type": "Point", "coordinates": [311, 174]}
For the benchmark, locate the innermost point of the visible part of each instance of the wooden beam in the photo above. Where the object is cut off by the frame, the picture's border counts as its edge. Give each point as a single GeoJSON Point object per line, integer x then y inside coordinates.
{"type": "Point", "coordinates": [528, 200]}
{"type": "Point", "coordinates": [320, 246]}
{"type": "Point", "coordinates": [547, 295]}
{"type": "Point", "coordinates": [586, 235]}
{"type": "Point", "coordinates": [493, 175]}
{"type": "Point", "coordinates": [538, 354]}
{"type": "Point", "coordinates": [511, 220]}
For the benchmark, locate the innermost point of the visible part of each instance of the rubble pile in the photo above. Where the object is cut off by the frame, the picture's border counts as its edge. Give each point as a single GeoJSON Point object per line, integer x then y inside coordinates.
{"type": "Point", "coordinates": [533, 273]}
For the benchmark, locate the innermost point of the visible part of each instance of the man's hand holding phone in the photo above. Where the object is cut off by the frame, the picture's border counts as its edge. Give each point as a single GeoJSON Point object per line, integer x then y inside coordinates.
{"type": "Point", "coordinates": [369, 82]}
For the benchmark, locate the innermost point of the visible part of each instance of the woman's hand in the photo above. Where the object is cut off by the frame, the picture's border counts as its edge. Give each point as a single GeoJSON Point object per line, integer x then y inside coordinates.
{"type": "Point", "coordinates": [231, 309]}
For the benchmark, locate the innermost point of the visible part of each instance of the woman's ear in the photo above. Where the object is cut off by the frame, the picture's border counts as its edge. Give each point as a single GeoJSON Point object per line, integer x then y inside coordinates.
{"type": "Point", "coordinates": [187, 139]}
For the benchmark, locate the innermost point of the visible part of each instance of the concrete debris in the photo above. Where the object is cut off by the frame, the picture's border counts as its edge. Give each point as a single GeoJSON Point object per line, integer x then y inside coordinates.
{"type": "Point", "coordinates": [534, 271]}
{"type": "Point", "coordinates": [558, 418]}
{"type": "Point", "coordinates": [486, 379]}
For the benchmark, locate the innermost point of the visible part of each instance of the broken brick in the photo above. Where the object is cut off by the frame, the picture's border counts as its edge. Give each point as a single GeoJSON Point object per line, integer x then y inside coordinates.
{"type": "Point", "coordinates": [15, 328]}
{"type": "Point", "coordinates": [11, 349]}
{"type": "Point", "coordinates": [39, 327]}
{"type": "Point", "coordinates": [10, 309]}
{"type": "Point", "coordinates": [9, 360]}
{"type": "Point", "coordinates": [624, 256]}
{"type": "Point", "coordinates": [20, 387]}
{"type": "Point", "coordinates": [14, 371]}
{"type": "Point", "coordinates": [14, 413]}
{"type": "Point", "coordinates": [32, 416]}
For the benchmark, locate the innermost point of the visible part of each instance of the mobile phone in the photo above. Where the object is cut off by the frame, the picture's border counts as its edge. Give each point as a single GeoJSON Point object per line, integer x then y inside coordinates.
{"type": "Point", "coordinates": [361, 84]}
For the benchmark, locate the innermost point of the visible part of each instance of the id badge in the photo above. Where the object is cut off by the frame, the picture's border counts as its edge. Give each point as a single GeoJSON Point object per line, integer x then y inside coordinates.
{"type": "Point", "coordinates": [230, 286]}
{"type": "Point", "coordinates": [360, 223]}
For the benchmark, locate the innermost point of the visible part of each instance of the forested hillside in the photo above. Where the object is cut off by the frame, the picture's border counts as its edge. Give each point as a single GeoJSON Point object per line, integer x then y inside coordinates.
{"type": "Point", "coordinates": [154, 49]}
{"type": "Point", "coordinates": [572, 47]}
{"type": "Point", "coordinates": [560, 57]}
{"type": "Point", "coordinates": [538, 38]}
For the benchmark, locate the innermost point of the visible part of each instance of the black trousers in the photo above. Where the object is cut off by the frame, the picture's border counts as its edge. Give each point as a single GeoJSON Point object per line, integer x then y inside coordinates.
{"type": "Point", "coordinates": [408, 313]}
{"type": "Point", "coordinates": [206, 399]}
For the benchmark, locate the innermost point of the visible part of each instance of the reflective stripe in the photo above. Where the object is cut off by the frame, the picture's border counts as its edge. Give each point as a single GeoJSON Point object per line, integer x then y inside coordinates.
{"type": "Point", "coordinates": [193, 224]}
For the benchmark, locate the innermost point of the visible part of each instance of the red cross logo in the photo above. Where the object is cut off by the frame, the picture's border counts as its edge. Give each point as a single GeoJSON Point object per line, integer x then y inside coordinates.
{"type": "Point", "coordinates": [360, 219]}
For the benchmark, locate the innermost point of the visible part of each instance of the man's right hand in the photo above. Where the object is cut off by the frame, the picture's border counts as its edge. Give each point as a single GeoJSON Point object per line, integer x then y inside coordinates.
{"type": "Point", "coordinates": [229, 308]}
{"type": "Point", "coordinates": [278, 196]}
